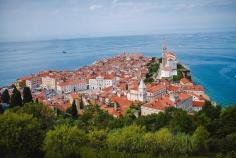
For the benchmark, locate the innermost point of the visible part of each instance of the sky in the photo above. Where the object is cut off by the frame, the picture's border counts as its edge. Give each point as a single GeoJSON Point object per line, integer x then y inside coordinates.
{"type": "Point", "coordinates": [26, 20]}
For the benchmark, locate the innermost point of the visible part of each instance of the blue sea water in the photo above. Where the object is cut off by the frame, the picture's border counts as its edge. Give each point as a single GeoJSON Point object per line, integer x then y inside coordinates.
{"type": "Point", "coordinates": [211, 57]}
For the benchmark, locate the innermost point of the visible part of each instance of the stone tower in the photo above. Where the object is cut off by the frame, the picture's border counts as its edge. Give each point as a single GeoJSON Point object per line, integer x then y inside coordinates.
{"type": "Point", "coordinates": [142, 92]}
{"type": "Point", "coordinates": [164, 50]}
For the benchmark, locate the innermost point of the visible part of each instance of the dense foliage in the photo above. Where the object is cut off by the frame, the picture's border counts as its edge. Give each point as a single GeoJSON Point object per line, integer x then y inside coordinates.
{"type": "Point", "coordinates": [74, 111]}
{"type": "Point", "coordinates": [34, 130]}
{"type": "Point", "coordinates": [180, 70]}
{"type": "Point", "coordinates": [153, 67]}
{"type": "Point", "coordinates": [27, 96]}
{"type": "Point", "coordinates": [63, 142]}
{"type": "Point", "coordinates": [5, 97]}
{"type": "Point", "coordinates": [21, 135]}
{"type": "Point", "coordinates": [16, 99]}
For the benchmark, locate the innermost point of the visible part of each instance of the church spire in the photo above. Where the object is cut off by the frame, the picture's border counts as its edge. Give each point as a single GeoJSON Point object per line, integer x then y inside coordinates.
{"type": "Point", "coordinates": [142, 96]}
{"type": "Point", "coordinates": [164, 45]}
{"type": "Point", "coordinates": [142, 85]}
{"type": "Point", "coordinates": [164, 50]}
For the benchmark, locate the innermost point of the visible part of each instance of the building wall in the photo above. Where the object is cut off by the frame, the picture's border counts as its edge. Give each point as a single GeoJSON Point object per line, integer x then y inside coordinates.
{"type": "Point", "coordinates": [100, 83]}
{"type": "Point", "coordinates": [132, 95]}
{"type": "Point", "coordinates": [165, 73]}
{"type": "Point", "coordinates": [157, 94]}
{"type": "Point", "coordinates": [148, 111]}
{"type": "Point", "coordinates": [168, 63]}
{"type": "Point", "coordinates": [186, 104]}
{"type": "Point", "coordinates": [29, 84]}
{"type": "Point", "coordinates": [92, 84]}
{"type": "Point", "coordinates": [33, 83]}
{"type": "Point", "coordinates": [195, 92]}
{"type": "Point", "coordinates": [172, 64]}
{"type": "Point", "coordinates": [71, 88]}
{"type": "Point", "coordinates": [49, 83]}
{"type": "Point", "coordinates": [197, 109]}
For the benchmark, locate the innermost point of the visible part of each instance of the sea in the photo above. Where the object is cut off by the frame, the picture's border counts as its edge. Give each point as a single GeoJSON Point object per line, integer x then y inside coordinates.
{"type": "Point", "coordinates": [210, 56]}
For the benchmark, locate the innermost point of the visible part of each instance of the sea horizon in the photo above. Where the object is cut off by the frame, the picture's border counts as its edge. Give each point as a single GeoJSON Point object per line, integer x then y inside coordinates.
{"type": "Point", "coordinates": [228, 30]}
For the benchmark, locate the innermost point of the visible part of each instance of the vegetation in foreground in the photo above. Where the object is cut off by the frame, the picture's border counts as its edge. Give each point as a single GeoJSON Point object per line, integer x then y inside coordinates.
{"type": "Point", "coordinates": [34, 130]}
{"type": "Point", "coordinates": [30, 129]}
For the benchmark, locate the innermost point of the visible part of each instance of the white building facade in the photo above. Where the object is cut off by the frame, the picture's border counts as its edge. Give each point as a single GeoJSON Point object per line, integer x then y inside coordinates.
{"type": "Point", "coordinates": [149, 110]}
{"type": "Point", "coordinates": [100, 82]}
{"type": "Point", "coordinates": [33, 82]}
{"type": "Point", "coordinates": [71, 86]}
{"type": "Point", "coordinates": [48, 83]}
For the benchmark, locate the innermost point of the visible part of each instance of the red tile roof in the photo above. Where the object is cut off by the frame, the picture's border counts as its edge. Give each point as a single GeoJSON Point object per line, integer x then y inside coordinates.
{"type": "Point", "coordinates": [155, 87]}
{"type": "Point", "coordinates": [173, 88]}
{"type": "Point", "coordinates": [185, 81]}
{"type": "Point", "coordinates": [74, 95]}
{"type": "Point", "coordinates": [25, 78]}
{"type": "Point", "coordinates": [183, 96]}
{"type": "Point", "coordinates": [160, 104]}
{"type": "Point", "coordinates": [198, 103]}
{"type": "Point", "coordinates": [194, 88]}
{"type": "Point", "coordinates": [123, 102]}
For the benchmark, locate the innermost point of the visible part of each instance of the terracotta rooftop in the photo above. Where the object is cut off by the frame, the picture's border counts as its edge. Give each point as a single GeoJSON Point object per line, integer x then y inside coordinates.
{"type": "Point", "coordinates": [155, 87]}
{"type": "Point", "coordinates": [160, 104]}
{"type": "Point", "coordinates": [198, 103]}
{"type": "Point", "coordinates": [185, 81]}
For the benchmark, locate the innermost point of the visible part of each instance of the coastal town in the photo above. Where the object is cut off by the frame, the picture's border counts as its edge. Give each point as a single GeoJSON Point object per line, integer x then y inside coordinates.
{"type": "Point", "coordinates": [119, 83]}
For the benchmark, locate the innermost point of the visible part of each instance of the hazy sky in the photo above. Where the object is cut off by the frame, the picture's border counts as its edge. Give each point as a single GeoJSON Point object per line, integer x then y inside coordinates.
{"type": "Point", "coordinates": [22, 20]}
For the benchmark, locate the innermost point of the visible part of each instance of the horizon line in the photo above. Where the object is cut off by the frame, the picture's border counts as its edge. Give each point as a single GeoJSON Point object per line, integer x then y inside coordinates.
{"type": "Point", "coordinates": [109, 36]}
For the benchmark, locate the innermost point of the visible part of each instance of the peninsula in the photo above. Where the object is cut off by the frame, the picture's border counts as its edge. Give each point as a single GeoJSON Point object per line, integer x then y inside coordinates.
{"type": "Point", "coordinates": [117, 83]}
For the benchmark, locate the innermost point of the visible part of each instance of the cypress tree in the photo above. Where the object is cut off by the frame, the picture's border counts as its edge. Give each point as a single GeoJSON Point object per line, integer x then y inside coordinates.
{"type": "Point", "coordinates": [37, 100]}
{"type": "Point", "coordinates": [74, 111]}
{"type": "Point", "coordinates": [16, 99]}
{"type": "Point", "coordinates": [1, 109]}
{"type": "Point", "coordinates": [81, 104]}
{"type": "Point", "coordinates": [27, 96]}
{"type": "Point", "coordinates": [5, 97]}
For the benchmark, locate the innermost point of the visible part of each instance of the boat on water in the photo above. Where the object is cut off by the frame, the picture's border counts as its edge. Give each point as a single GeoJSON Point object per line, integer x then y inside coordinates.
{"type": "Point", "coordinates": [94, 62]}
{"type": "Point", "coordinates": [64, 52]}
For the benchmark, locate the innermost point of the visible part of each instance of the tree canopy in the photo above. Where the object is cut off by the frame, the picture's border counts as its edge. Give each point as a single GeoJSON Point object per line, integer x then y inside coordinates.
{"type": "Point", "coordinates": [27, 96]}
{"type": "Point", "coordinates": [44, 114]}
{"type": "Point", "coordinates": [74, 111]}
{"type": "Point", "coordinates": [128, 139]}
{"type": "Point", "coordinates": [21, 135]}
{"type": "Point", "coordinates": [35, 130]}
{"type": "Point", "coordinates": [64, 142]}
{"type": "Point", "coordinates": [16, 99]}
{"type": "Point", "coordinates": [5, 97]}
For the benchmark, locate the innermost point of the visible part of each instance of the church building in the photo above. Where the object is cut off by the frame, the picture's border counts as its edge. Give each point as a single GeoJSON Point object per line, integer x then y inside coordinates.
{"type": "Point", "coordinates": [168, 66]}
{"type": "Point", "coordinates": [138, 95]}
